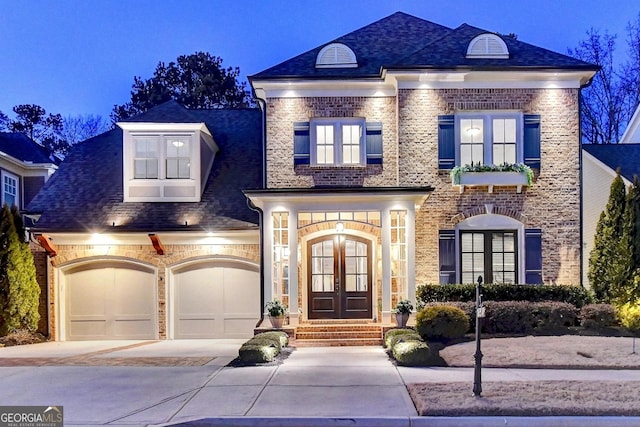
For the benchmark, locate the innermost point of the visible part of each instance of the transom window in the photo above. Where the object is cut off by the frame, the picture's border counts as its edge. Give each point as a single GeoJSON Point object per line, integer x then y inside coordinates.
{"type": "Point", "coordinates": [9, 189]}
{"type": "Point", "coordinates": [162, 156]}
{"type": "Point", "coordinates": [490, 254]}
{"type": "Point", "coordinates": [489, 138]}
{"type": "Point", "coordinates": [338, 141]}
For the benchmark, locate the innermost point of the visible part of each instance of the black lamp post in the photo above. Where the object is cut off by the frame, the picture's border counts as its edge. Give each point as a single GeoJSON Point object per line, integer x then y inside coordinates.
{"type": "Point", "coordinates": [477, 374]}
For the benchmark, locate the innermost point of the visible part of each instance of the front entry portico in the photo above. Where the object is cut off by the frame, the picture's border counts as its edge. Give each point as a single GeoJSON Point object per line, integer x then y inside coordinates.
{"type": "Point", "coordinates": [339, 253]}
{"type": "Point", "coordinates": [339, 277]}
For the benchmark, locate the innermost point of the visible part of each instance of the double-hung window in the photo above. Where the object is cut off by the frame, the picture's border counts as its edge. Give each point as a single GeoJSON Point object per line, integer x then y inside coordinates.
{"type": "Point", "coordinates": [490, 254]}
{"type": "Point", "coordinates": [146, 159]}
{"type": "Point", "coordinates": [9, 189]}
{"type": "Point", "coordinates": [338, 141]}
{"type": "Point", "coordinates": [162, 157]}
{"type": "Point", "coordinates": [178, 158]}
{"type": "Point", "coordinates": [489, 138]}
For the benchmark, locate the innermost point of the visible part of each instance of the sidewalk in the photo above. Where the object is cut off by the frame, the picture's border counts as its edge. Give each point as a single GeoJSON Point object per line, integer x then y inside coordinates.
{"type": "Point", "coordinates": [127, 385]}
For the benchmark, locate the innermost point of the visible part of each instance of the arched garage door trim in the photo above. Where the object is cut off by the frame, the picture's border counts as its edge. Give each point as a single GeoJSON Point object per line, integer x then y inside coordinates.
{"type": "Point", "coordinates": [98, 265]}
{"type": "Point", "coordinates": [227, 290]}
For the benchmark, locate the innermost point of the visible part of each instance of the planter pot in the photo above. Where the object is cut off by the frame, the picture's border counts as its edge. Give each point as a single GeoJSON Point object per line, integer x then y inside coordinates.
{"type": "Point", "coordinates": [402, 319]}
{"type": "Point", "coordinates": [276, 321]}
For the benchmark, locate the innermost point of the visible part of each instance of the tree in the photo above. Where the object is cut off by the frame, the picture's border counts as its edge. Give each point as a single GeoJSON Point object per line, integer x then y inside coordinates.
{"type": "Point", "coordinates": [79, 128]}
{"type": "Point", "coordinates": [609, 102]}
{"type": "Point", "coordinates": [4, 121]}
{"type": "Point", "coordinates": [196, 81]}
{"type": "Point", "coordinates": [45, 129]}
{"type": "Point", "coordinates": [609, 260]}
{"type": "Point", "coordinates": [19, 289]}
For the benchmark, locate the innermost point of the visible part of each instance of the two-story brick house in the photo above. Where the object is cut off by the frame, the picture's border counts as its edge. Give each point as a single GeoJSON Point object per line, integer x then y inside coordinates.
{"type": "Point", "coordinates": [336, 198]}
{"type": "Point", "coordinates": [362, 134]}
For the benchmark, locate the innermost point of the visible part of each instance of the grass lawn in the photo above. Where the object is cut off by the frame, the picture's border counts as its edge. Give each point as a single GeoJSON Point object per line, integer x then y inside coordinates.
{"type": "Point", "coordinates": [537, 398]}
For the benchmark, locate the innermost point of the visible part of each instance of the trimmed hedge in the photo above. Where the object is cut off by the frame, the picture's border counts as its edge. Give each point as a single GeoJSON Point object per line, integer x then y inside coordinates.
{"type": "Point", "coordinates": [441, 322]}
{"type": "Point", "coordinates": [524, 316]}
{"type": "Point", "coordinates": [596, 316]}
{"type": "Point", "coordinates": [393, 336]}
{"type": "Point", "coordinates": [412, 353]}
{"type": "Point", "coordinates": [575, 295]}
{"type": "Point", "coordinates": [263, 347]}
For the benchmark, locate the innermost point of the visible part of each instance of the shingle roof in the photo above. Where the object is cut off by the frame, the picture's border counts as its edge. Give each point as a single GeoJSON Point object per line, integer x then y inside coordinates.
{"type": "Point", "coordinates": [623, 156]}
{"type": "Point", "coordinates": [21, 147]}
{"type": "Point", "coordinates": [402, 41]}
{"type": "Point", "coordinates": [86, 193]}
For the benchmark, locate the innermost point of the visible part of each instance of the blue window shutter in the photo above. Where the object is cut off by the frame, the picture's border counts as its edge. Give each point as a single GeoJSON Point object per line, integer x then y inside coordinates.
{"type": "Point", "coordinates": [374, 143]}
{"type": "Point", "coordinates": [533, 256]}
{"type": "Point", "coordinates": [531, 140]}
{"type": "Point", "coordinates": [446, 142]}
{"type": "Point", "coordinates": [301, 143]}
{"type": "Point", "coordinates": [447, 256]}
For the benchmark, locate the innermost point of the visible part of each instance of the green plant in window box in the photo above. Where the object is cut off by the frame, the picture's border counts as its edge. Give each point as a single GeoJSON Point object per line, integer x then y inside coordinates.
{"type": "Point", "coordinates": [457, 172]}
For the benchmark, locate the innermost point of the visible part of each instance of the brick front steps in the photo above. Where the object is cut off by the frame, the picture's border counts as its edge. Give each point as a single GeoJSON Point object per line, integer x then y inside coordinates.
{"type": "Point", "coordinates": [337, 333]}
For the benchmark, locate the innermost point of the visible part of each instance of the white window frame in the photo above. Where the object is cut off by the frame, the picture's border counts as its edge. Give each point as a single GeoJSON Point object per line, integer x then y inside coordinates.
{"type": "Point", "coordinates": [162, 140]}
{"type": "Point", "coordinates": [7, 175]}
{"type": "Point", "coordinates": [338, 123]}
{"type": "Point", "coordinates": [487, 118]}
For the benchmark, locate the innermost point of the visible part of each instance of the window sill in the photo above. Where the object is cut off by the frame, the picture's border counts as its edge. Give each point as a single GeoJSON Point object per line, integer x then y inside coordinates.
{"type": "Point", "coordinates": [493, 179]}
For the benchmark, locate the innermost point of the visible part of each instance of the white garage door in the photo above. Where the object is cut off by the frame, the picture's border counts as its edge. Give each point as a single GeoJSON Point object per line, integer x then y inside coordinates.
{"type": "Point", "coordinates": [110, 301]}
{"type": "Point", "coordinates": [216, 300]}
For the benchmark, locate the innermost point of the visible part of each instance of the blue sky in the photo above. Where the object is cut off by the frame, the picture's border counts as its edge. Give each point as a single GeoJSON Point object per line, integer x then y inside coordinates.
{"type": "Point", "coordinates": [80, 56]}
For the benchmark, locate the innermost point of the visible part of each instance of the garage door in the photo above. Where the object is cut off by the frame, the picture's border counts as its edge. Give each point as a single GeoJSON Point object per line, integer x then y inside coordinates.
{"type": "Point", "coordinates": [216, 300]}
{"type": "Point", "coordinates": [110, 301]}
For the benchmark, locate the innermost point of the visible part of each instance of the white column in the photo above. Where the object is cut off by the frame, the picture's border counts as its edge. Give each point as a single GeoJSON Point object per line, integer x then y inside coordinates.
{"type": "Point", "coordinates": [385, 219]}
{"type": "Point", "coordinates": [267, 251]}
{"type": "Point", "coordinates": [294, 312]}
{"type": "Point", "coordinates": [410, 225]}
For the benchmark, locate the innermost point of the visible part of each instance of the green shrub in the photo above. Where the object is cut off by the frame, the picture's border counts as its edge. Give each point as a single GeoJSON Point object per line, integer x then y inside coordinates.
{"type": "Point", "coordinates": [441, 322]}
{"type": "Point", "coordinates": [412, 353]}
{"type": "Point", "coordinates": [595, 316]}
{"type": "Point", "coordinates": [256, 353]}
{"type": "Point", "coordinates": [575, 295]}
{"type": "Point", "coordinates": [469, 309]}
{"type": "Point", "coordinates": [552, 315]}
{"type": "Point", "coordinates": [629, 315]}
{"type": "Point", "coordinates": [279, 336]}
{"type": "Point", "coordinates": [508, 317]}
{"type": "Point", "coordinates": [405, 335]}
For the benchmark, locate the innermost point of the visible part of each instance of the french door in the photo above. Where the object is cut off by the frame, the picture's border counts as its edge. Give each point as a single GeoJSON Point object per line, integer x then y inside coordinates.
{"type": "Point", "coordinates": [490, 254]}
{"type": "Point", "coordinates": [339, 277]}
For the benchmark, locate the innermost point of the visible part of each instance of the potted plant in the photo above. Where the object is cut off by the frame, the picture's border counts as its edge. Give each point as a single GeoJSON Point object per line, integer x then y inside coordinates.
{"type": "Point", "coordinates": [403, 311]}
{"type": "Point", "coordinates": [277, 310]}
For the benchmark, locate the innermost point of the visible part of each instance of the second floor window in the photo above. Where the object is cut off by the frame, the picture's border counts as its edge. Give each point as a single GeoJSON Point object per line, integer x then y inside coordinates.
{"type": "Point", "coordinates": [9, 189]}
{"type": "Point", "coordinates": [337, 141]}
{"type": "Point", "coordinates": [489, 138]}
{"type": "Point", "coordinates": [160, 157]}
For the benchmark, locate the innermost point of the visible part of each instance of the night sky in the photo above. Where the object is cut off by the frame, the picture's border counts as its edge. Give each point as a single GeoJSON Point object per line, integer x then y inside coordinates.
{"type": "Point", "coordinates": [79, 57]}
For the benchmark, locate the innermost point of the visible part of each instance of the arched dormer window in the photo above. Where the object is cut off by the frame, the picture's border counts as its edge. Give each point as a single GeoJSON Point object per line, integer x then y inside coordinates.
{"type": "Point", "coordinates": [336, 55]}
{"type": "Point", "coordinates": [488, 46]}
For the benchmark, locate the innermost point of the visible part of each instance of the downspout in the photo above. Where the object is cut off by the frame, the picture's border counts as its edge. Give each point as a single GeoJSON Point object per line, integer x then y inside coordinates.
{"type": "Point", "coordinates": [263, 108]}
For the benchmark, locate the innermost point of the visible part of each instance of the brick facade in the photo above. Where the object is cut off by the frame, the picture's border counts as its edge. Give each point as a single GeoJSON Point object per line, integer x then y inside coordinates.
{"type": "Point", "coordinates": [410, 153]}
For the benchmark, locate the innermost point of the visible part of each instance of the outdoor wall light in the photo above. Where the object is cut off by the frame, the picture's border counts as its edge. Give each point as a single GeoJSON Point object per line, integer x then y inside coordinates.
{"type": "Point", "coordinates": [339, 227]}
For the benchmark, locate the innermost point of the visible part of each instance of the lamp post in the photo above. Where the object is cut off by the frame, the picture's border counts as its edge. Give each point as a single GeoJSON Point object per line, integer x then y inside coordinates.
{"type": "Point", "coordinates": [477, 373]}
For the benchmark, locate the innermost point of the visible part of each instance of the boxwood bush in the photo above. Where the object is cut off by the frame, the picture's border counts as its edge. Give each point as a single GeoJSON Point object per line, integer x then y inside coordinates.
{"type": "Point", "coordinates": [394, 336]}
{"type": "Point", "coordinates": [596, 316]}
{"type": "Point", "coordinates": [412, 353]}
{"type": "Point", "coordinates": [575, 295]}
{"type": "Point", "coordinates": [263, 347]}
{"type": "Point", "coordinates": [441, 322]}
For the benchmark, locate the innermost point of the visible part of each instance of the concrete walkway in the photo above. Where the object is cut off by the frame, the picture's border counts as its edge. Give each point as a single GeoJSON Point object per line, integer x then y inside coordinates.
{"type": "Point", "coordinates": [138, 383]}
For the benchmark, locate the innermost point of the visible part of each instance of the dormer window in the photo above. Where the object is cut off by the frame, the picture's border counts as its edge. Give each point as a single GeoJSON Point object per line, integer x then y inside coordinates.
{"type": "Point", "coordinates": [166, 162]}
{"type": "Point", "coordinates": [336, 55]}
{"type": "Point", "coordinates": [489, 46]}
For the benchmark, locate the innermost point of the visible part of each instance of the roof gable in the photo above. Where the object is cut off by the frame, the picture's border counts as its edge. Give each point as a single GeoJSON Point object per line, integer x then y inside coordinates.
{"type": "Point", "coordinates": [623, 156]}
{"type": "Point", "coordinates": [22, 148]}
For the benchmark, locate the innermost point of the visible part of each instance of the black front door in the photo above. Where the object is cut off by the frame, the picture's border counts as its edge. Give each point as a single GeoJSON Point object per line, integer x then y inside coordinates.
{"type": "Point", "coordinates": [339, 277]}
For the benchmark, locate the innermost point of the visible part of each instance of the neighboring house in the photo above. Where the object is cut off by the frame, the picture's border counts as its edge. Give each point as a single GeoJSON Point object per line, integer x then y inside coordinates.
{"type": "Point", "coordinates": [148, 231]}
{"type": "Point", "coordinates": [599, 165]}
{"type": "Point", "coordinates": [24, 168]}
{"type": "Point", "coordinates": [361, 136]}
{"type": "Point", "coordinates": [150, 235]}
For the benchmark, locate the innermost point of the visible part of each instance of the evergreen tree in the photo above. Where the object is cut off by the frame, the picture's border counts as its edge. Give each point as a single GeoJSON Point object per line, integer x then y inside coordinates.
{"type": "Point", "coordinates": [19, 289]}
{"type": "Point", "coordinates": [628, 290]}
{"type": "Point", "coordinates": [608, 267]}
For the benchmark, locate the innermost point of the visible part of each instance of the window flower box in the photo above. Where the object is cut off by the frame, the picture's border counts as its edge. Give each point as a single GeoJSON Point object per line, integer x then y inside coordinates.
{"type": "Point", "coordinates": [516, 175]}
